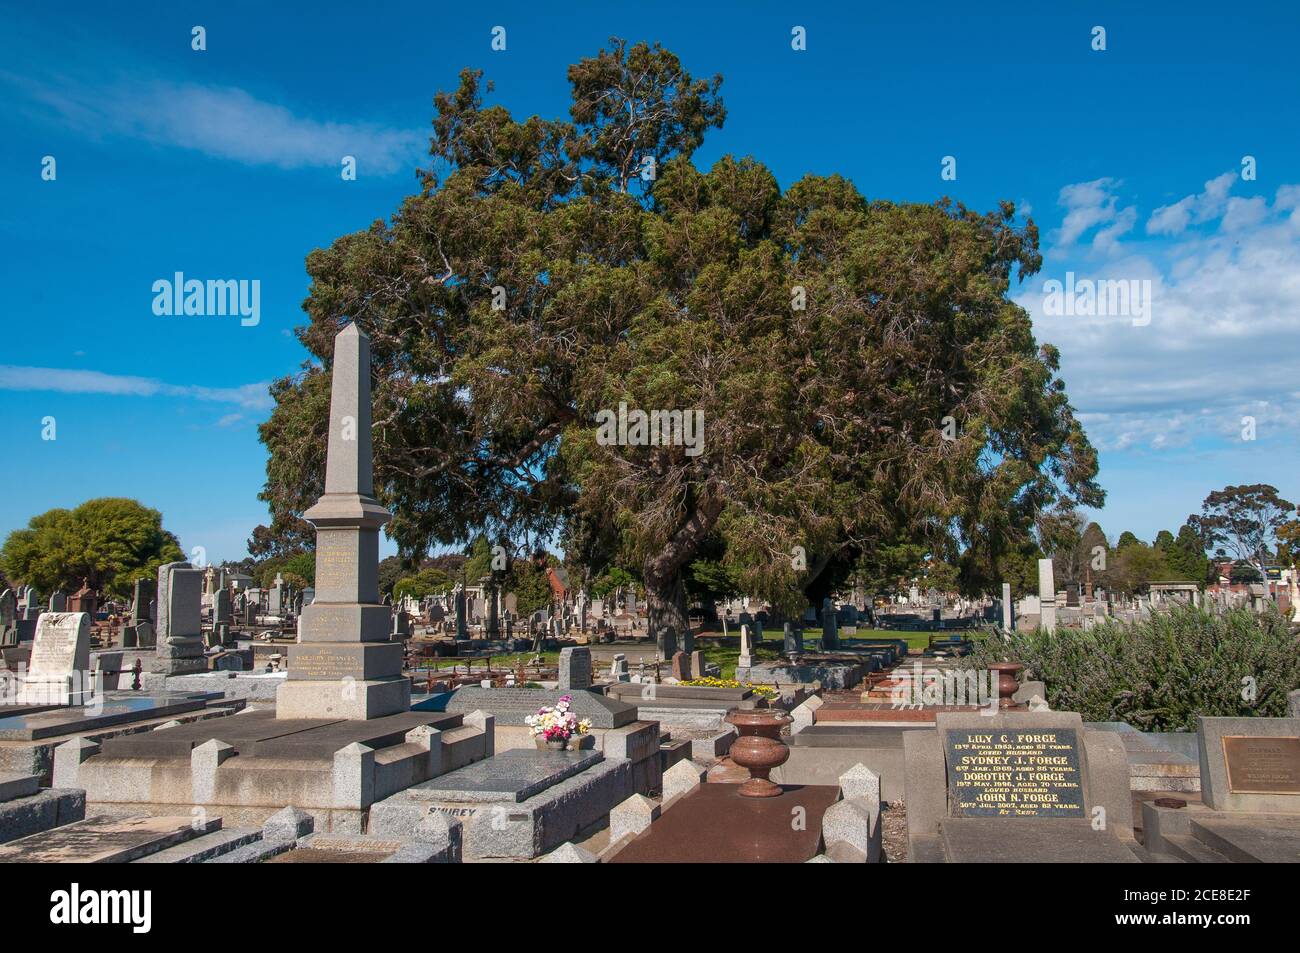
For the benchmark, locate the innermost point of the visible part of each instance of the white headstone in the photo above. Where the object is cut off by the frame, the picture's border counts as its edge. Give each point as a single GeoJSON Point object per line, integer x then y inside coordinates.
{"type": "Point", "coordinates": [59, 670]}
{"type": "Point", "coordinates": [1047, 595]}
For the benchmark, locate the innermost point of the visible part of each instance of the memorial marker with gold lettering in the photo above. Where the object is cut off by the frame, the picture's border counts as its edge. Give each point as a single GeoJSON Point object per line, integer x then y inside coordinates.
{"type": "Point", "coordinates": [1014, 773]}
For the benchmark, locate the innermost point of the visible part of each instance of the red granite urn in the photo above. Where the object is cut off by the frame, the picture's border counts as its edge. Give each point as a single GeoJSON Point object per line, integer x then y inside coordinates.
{"type": "Point", "coordinates": [759, 748]}
{"type": "Point", "coordinates": [1007, 684]}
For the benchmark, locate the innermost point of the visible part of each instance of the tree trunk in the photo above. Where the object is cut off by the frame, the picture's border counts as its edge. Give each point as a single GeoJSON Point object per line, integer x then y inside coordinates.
{"type": "Point", "coordinates": [669, 624]}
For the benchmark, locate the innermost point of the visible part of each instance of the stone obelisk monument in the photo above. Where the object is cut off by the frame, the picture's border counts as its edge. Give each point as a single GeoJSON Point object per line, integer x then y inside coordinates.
{"type": "Point", "coordinates": [345, 664]}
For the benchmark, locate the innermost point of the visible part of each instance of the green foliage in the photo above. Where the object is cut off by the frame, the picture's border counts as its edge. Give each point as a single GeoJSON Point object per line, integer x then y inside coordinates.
{"type": "Point", "coordinates": [1135, 565]}
{"type": "Point", "coordinates": [296, 569]}
{"type": "Point", "coordinates": [479, 561]}
{"type": "Point", "coordinates": [110, 542]}
{"type": "Point", "coordinates": [527, 579]}
{"type": "Point", "coordinates": [1158, 674]}
{"type": "Point", "coordinates": [710, 580]}
{"type": "Point", "coordinates": [1244, 520]}
{"type": "Point", "coordinates": [612, 578]}
{"type": "Point", "coordinates": [391, 569]}
{"type": "Point", "coordinates": [1186, 556]}
{"type": "Point", "coordinates": [429, 581]}
{"type": "Point", "coordinates": [823, 421]}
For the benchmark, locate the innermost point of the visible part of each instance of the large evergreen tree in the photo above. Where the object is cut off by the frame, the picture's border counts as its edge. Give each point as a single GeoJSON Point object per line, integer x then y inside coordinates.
{"type": "Point", "coordinates": [861, 374]}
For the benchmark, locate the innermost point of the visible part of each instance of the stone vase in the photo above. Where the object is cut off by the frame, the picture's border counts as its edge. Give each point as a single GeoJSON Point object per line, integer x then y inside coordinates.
{"type": "Point", "coordinates": [759, 748]}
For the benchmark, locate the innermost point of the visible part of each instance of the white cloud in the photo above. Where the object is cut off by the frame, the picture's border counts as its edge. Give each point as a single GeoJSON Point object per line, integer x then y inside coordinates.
{"type": "Point", "coordinates": [253, 397]}
{"type": "Point", "coordinates": [222, 121]}
{"type": "Point", "coordinates": [1092, 205]}
{"type": "Point", "coordinates": [1222, 342]}
{"type": "Point", "coordinates": [1205, 206]}
{"type": "Point", "coordinates": [1243, 213]}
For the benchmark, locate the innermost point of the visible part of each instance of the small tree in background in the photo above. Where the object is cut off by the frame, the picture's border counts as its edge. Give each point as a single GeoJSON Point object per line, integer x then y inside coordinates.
{"type": "Point", "coordinates": [110, 542]}
{"type": "Point", "coordinates": [1242, 521]}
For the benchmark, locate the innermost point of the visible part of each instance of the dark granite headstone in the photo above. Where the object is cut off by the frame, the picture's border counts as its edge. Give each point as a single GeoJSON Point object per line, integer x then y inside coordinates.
{"type": "Point", "coordinates": [575, 668]}
{"type": "Point", "coordinates": [1014, 773]}
{"type": "Point", "coordinates": [793, 640]}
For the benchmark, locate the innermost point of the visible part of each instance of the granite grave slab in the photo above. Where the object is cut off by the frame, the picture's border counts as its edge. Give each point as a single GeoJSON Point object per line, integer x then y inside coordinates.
{"type": "Point", "coordinates": [512, 705]}
{"type": "Point", "coordinates": [48, 724]}
{"type": "Point", "coordinates": [513, 775]}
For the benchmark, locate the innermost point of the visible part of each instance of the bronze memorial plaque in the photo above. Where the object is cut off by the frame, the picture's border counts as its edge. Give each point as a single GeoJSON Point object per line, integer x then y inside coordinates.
{"type": "Point", "coordinates": [1261, 765]}
{"type": "Point", "coordinates": [1002, 772]}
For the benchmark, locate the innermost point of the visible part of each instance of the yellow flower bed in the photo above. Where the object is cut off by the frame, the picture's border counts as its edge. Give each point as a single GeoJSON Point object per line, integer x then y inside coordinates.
{"type": "Point", "coordinates": [763, 691]}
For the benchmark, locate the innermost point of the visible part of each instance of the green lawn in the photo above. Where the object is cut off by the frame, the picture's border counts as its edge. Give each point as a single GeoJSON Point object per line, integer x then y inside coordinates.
{"type": "Point", "coordinates": [499, 662]}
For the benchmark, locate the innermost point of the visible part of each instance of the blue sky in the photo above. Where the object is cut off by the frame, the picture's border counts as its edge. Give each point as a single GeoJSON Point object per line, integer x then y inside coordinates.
{"type": "Point", "coordinates": [225, 164]}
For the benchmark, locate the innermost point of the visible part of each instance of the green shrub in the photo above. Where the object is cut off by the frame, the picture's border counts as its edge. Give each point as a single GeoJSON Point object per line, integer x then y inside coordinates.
{"type": "Point", "coordinates": [1158, 674]}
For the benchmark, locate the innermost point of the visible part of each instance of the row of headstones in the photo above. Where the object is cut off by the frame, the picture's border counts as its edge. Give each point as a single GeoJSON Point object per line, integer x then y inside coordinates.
{"type": "Point", "coordinates": [575, 668]}
{"type": "Point", "coordinates": [19, 612]}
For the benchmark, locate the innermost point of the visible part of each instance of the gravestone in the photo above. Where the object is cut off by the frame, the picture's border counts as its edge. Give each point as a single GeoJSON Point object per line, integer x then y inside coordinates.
{"type": "Point", "coordinates": [1021, 772]}
{"type": "Point", "coordinates": [59, 670]}
{"type": "Point", "coordinates": [84, 600]}
{"type": "Point", "coordinates": [493, 624]}
{"type": "Point", "coordinates": [1008, 615]}
{"type": "Point", "coordinates": [462, 626]}
{"type": "Point", "coordinates": [221, 615]}
{"type": "Point", "coordinates": [58, 601]}
{"type": "Point", "coordinates": [228, 662]}
{"type": "Point", "coordinates": [618, 670]}
{"type": "Point", "coordinates": [697, 664]}
{"type": "Point", "coordinates": [746, 659]}
{"type": "Point", "coordinates": [681, 666]}
{"type": "Point", "coordinates": [1017, 787]}
{"type": "Point", "coordinates": [1250, 764]}
{"type": "Point", "coordinates": [141, 601]}
{"type": "Point", "coordinates": [346, 664]}
{"type": "Point", "coordinates": [179, 632]}
{"type": "Point", "coordinates": [575, 668]}
{"type": "Point", "coordinates": [1046, 596]}
{"type": "Point", "coordinates": [1250, 796]}
{"type": "Point", "coordinates": [8, 614]}
{"type": "Point", "coordinates": [793, 644]}
{"type": "Point", "coordinates": [830, 626]}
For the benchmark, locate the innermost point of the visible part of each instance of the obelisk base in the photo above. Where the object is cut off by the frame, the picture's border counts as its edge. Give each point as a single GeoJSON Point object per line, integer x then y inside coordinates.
{"type": "Point", "coordinates": [343, 698]}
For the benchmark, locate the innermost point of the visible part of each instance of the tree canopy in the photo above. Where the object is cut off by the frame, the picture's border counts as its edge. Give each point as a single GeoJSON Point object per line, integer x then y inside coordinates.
{"type": "Point", "coordinates": [1242, 521]}
{"type": "Point", "coordinates": [858, 370]}
{"type": "Point", "coordinates": [110, 542]}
